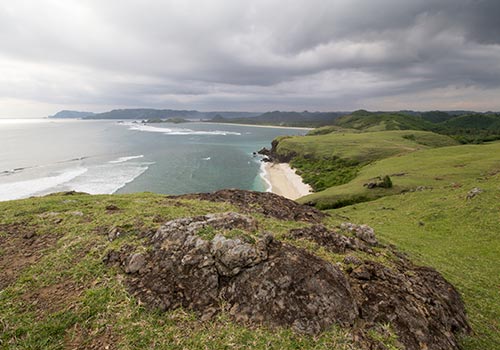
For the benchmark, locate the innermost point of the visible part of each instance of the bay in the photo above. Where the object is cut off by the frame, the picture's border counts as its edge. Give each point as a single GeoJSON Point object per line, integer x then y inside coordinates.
{"type": "Point", "coordinates": [41, 156]}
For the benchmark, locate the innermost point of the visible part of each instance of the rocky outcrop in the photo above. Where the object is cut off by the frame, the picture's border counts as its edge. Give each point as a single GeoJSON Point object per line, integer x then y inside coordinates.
{"type": "Point", "coordinates": [274, 156]}
{"type": "Point", "coordinates": [269, 204]}
{"type": "Point", "coordinates": [198, 263]}
{"type": "Point", "coordinates": [263, 282]}
{"type": "Point", "coordinates": [425, 310]}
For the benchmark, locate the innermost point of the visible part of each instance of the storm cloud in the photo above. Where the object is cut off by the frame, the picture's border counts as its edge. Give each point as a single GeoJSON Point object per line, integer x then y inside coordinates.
{"type": "Point", "coordinates": [248, 55]}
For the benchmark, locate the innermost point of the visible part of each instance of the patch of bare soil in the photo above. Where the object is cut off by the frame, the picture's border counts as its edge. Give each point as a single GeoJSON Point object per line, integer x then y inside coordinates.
{"type": "Point", "coordinates": [53, 298]}
{"type": "Point", "coordinates": [20, 248]}
{"type": "Point", "coordinates": [80, 338]}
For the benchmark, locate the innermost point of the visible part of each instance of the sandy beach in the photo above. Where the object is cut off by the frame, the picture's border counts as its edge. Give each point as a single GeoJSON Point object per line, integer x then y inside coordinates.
{"type": "Point", "coordinates": [284, 181]}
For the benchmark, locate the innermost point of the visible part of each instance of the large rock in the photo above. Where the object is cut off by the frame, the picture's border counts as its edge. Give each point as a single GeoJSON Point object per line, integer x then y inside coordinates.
{"type": "Point", "coordinates": [276, 284]}
{"type": "Point", "coordinates": [266, 282]}
{"type": "Point", "coordinates": [291, 288]}
{"type": "Point", "coordinates": [423, 308]}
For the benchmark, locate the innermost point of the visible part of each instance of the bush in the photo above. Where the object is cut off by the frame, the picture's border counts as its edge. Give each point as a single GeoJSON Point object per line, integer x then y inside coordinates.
{"type": "Point", "coordinates": [386, 182]}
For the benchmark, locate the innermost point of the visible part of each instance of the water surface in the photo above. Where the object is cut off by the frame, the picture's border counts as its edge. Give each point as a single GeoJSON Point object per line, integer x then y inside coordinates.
{"type": "Point", "coordinates": [41, 156]}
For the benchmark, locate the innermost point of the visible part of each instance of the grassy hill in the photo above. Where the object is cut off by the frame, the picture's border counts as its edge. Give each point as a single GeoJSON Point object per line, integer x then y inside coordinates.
{"type": "Point", "coordinates": [426, 211]}
{"type": "Point", "coordinates": [425, 168]}
{"type": "Point", "coordinates": [335, 158]}
{"type": "Point", "coordinates": [367, 121]}
{"type": "Point", "coordinates": [438, 226]}
{"type": "Point", "coordinates": [465, 127]}
{"type": "Point", "coordinates": [56, 292]}
{"type": "Point", "coordinates": [426, 214]}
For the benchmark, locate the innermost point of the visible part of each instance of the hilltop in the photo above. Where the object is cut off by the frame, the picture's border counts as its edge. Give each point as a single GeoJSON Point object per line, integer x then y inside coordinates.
{"type": "Point", "coordinates": [232, 269]}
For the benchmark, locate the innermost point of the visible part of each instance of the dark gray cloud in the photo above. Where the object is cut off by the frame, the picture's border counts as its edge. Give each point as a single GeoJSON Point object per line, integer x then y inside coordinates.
{"type": "Point", "coordinates": [248, 55]}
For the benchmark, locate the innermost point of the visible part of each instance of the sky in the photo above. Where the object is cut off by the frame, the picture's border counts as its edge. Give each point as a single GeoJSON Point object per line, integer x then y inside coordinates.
{"type": "Point", "coordinates": [254, 55]}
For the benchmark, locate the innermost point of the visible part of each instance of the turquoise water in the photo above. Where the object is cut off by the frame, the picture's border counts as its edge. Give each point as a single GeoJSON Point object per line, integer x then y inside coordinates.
{"type": "Point", "coordinates": [43, 156]}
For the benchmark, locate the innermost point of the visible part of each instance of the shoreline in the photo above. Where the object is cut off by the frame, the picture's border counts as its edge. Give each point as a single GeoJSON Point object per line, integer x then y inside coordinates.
{"type": "Point", "coordinates": [262, 126]}
{"type": "Point", "coordinates": [283, 180]}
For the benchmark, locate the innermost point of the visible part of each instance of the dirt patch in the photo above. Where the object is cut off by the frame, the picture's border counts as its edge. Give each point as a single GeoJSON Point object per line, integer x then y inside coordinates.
{"type": "Point", "coordinates": [80, 338]}
{"type": "Point", "coordinates": [53, 298]}
{"type": "Point", "coordinates": [20, 248]}
{"type": "Point", "coordinates": [269, 204]}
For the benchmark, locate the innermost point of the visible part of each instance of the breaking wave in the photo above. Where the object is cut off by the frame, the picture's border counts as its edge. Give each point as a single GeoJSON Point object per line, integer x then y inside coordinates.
{"type": "Point", "coordinates": [177, 131]}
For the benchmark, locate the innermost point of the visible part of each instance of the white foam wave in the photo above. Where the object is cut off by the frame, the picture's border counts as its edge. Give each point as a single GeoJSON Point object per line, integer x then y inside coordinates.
{"type": "Point", "coordinates": [263, 174]}
{"type": "Point", "coordinates": [177, 131]}
{"type": "Point", "coordinates": [207, 158]}
{"type": "Point", "coordinates": [108, 178]}
{"type": "Point", "coordinates": [26, 188]}
{"type": "Point", "coordinates": [125, 159]}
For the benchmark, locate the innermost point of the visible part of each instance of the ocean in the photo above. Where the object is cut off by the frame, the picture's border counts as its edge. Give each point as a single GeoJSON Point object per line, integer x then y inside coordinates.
{"type": "Point", "coordinates": [41, 156]}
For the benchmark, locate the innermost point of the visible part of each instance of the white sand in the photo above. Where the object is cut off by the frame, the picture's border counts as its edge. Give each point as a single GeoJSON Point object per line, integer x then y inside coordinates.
{"type": "Point", "coordinates": [285, 182]}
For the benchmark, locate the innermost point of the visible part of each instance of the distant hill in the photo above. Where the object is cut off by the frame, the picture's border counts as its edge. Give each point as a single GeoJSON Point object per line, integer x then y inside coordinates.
{"type": "Point", "coordinates": [474, 121]}
{"type": "Point", "coordinates": [150, 113]}
{"type": "Point", "coordinates": [71, 114]}
{"type": "Point", "coordinates": [380, 121]}
{"type": "Point", "coordinates": [301, 119]}
{"type": "Point", "coordinates": [466, 127]}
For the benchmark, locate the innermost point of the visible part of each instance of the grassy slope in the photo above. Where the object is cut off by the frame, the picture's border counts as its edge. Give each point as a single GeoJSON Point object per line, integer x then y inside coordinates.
{"type": "Point", "coordinates": [437, 226]}
{"type": "Point", "coordinates": [363, 147]}
{"type": "Point", "coordinates": [69, 299]}
{"type": "Point", "coordinates": [435, 168]}
{"type": "Point", "coordinates": [460, 238]}
{"type": "Point", "coordinates": [382, 121]}
{"type": "Point", "coordinates": [334, 159]}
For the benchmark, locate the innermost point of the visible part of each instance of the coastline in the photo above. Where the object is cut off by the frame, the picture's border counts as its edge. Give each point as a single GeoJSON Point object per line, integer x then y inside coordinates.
{"type": "Point", "coordinates": [263, 126]}
{"type": "Point", "coordinates": [283, 180]}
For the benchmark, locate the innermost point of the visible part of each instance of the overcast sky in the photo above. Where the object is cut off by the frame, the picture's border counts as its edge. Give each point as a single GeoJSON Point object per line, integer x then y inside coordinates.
{"type": "Point", "coordinates": [253, 55]}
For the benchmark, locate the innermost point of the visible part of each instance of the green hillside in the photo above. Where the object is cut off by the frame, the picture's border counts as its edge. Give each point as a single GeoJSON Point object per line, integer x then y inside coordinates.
{"type": "Point", "coordinates": [335, 158]}
{"type": "Point", "coordinates": [58, 294]}
{"type": "Point", "coordinates": [425, 168]}
{"type": "Point", "coordinates": [465, 127]}
{"type": "Point", "coordinates": [438, 226]}
{"type": "Point", "coordinates": [368, 121]}
{"type": "Point", "coordinates": [427, 214]}
{"type": "Point", "coordinates": [474, 121]}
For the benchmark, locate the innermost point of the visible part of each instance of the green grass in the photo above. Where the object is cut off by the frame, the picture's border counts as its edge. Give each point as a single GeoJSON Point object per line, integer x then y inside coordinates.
{"type": "Point", "coordinates": [431, 168]}
{"type": "Point", "coordinates": [93, 307]}
{"type": "Point", "coordinates": [460, 238]}
{"type": "Point", "coordinates": [373, 121]}
{"type": "Point", "coordinates": [362, 147]}
{"type": "Point", "coordinates": [334, 159]}
{"type": "Point", "coordinates": [436, 225]}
